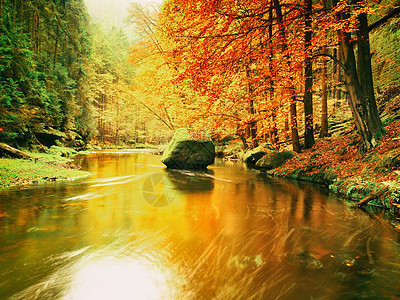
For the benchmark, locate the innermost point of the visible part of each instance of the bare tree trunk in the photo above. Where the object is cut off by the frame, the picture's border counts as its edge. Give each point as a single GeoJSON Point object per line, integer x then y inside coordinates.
{"type": "Point", "coordinates": [324, 100]}
{"type": "Point", "coordinates": [6, 149]}
{"type": "Point", "coordinates": [361, 100]}
{"type": "Point", "coordinates": [365, 71]}
{"type": "Point", "coordinates": [252, 126]}
{"type": "Point", "coordinates": [293, 109]}
{"type": "Point", "coordinates": [287, 126]}
{"type": "Point", "coordinates": [56, 43]}
{"type": "Point", "coordinates": [335, 78]}
{"type": "Point", "coordinates": [274, 131]}
{"type": "Point", "coordinates": [117, 125]}
{"type": "Point", "coordinates": [308, 101]}
{"type": "Point", "coordinates": [293, 121]}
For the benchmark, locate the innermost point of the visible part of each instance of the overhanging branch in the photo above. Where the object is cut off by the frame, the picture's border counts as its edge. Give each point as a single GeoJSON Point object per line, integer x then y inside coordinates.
{"type": "Point", "coordinates": [331, 57]}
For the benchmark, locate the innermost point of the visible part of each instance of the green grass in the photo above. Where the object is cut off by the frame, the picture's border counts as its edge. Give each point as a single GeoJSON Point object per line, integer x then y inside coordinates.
{"type": "Point", "coordinates": [45, 167]}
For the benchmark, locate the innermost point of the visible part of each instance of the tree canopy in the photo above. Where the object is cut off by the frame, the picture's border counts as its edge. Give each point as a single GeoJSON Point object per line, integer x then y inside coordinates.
{"type": "Point", "coordinates": [265, 70]}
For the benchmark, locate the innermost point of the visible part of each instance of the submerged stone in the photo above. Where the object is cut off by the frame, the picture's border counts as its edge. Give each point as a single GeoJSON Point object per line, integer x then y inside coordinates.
{"type": "Point", "coordinates": [189, 150]}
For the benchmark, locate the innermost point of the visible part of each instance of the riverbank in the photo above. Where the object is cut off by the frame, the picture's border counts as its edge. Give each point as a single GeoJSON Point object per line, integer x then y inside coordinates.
{"type": "Point", "coordinates": [42, 167]}
{"type": "Point", "coordinates": [337, 163]}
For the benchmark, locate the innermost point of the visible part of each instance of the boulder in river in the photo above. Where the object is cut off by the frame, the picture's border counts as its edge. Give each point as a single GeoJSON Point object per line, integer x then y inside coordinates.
{"type": "Point", "coordinates": [274, 159]}
{"type": "Point", "coordinates": [189, 150]}
{"type": "Point", "coordinates": [252, 156]}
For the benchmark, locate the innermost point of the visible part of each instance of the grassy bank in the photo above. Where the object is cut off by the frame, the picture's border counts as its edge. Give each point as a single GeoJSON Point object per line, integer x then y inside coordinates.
{"type": "Point", "coordinates": [42, 167]}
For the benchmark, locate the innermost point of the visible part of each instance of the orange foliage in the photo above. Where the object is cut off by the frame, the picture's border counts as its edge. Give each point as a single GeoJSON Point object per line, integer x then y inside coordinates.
{"type": "Point", "coordinates": [341, 154]}
{"type": "Point", "coordinates": [225, 52]}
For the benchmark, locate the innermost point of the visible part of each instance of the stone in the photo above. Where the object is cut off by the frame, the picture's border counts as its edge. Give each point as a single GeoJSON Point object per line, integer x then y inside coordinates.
{"type": "Point", "coordinates": [251, 157]}
{"type": "Point", "coordinates": [189, 150]}
{"type": "Point", "coordinates": [274, 159]}
{"type": "Point", "coordinates": [48, 136]}
{"type": "Point", "coordinates": [63, 151]}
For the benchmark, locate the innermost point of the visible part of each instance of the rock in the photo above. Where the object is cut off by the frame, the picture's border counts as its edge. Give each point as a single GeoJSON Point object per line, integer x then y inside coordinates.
{"type": "Point", "coordinates": [274, 159]}
{"type": "Point", "coordinates": [188, 150]}
{"type": "Point", "coordinates": [48, 136]}
{"type": "Point", "coordinates": [252, 156]}
{"type": "Point", "coordinates": [63, 151]}
{"type": "Point", "coordinates": [305, 261]}
{"type": "Point", "coordinates": [219, 154]}
{"type": "Point", "coordinates": [309, 262]}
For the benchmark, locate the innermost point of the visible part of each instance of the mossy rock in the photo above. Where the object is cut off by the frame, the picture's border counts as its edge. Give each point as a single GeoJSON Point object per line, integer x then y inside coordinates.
{"type": "Point", "coordinates": [274, 159]}
{"type": "Point", "coordinates": [63, 151]}
{"type": "Point", "coordinates": [48, 136]}
{"type": "Point", "coordinates": [189, 150]}
{"type": "Point", "coordinates": [251, 157]}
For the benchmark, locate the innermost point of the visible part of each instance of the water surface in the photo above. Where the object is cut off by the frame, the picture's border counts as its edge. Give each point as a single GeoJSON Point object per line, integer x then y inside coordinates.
{"type": "Point", "coordinates": [134, 230]}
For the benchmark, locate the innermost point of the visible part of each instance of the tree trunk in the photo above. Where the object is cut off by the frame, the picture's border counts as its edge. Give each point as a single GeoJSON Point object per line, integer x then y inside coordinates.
{"type": "Point", "coordinates": [361, 98]}
{"type": "Point", "coordinates": [274, 131]}
{"type": "Point", "coordinates": [287, 126]}
{"type": "Point", "coordinates": [293, 121]}
{"type": "Point", "coordinates": [324, 101]}
{"type": "Point", "coordinates": [4, 148]}
{"type": "Point", "coordinates": [308, 102]}
{"type": "Point", "coordinates": [293, 109]}
{"type": "Point", "coordinates": [252, 125]}
{"type": "Point", "coordinates": [56, 43]}
{"type": "Point", "coordinates": [335, 77]}
{"type": "Point", "coordinates": [365, 71]}
{"type": "Point", "coordinates": [372, 196]}
{"type": "Point", "coordinates": [117, 125]}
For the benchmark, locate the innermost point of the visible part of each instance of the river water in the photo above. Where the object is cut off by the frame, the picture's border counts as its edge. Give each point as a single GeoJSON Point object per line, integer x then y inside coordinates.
{"type": "Point", "coordinates": [134, 230]}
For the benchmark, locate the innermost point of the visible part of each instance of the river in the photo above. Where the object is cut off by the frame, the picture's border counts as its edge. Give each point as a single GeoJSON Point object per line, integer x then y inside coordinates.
{"type": "Point", "coordinates": [134, 230]}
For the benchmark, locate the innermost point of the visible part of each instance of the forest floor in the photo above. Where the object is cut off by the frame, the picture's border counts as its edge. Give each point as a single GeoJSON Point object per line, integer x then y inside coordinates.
{"type": "Point", "coordinates": [42, 167]}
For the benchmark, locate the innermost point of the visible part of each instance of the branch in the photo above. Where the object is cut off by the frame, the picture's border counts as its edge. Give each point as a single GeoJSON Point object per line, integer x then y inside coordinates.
{"type": "Point", "coordinates": [331, 57]}
{"type": "Point", "coordinates": [372, 196]}
{"type": "Point", "coordinates": [392, 13]}
{"type": "Point", "coordinates": [170, 126]}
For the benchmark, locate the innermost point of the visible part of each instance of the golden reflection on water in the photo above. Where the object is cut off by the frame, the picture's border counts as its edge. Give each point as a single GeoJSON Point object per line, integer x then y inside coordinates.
{"type": "Point", "coordinates": [119, 278]}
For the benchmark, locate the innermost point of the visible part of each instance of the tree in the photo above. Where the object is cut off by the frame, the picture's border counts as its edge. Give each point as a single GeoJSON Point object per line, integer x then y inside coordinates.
{"type": "Point", "coordinates": [293, 106]}
{"type": "Point", "coordinates": [227, 54]}
{"type": "Point", "coordinates": [324, 97]}
{"type": "Point", "coordinates": [44, 55]}
{"type": "Point", "coordinates": [308, 94]}
{"type": "Point", "coordinates": [358, 72]}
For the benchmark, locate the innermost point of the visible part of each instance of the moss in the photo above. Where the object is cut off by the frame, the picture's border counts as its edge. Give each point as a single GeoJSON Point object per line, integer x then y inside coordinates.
{"type": "Point", "coordinates": [19, 171]}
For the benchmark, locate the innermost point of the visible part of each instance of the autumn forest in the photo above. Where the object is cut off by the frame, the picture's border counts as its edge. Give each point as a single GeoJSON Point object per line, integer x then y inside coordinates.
{"type": "Point", "coordinates": [255, 70]}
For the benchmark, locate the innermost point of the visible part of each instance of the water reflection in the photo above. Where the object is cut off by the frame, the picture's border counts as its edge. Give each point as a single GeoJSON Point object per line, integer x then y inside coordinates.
{"type": "Point", "coordinates": [191, 181]}
{"type": "Point", "coordinates": [136, 230]}
{"type": "Point", "coordinates": [111, 278]}
{"type": "Point", "coordinates": [124, 269]}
